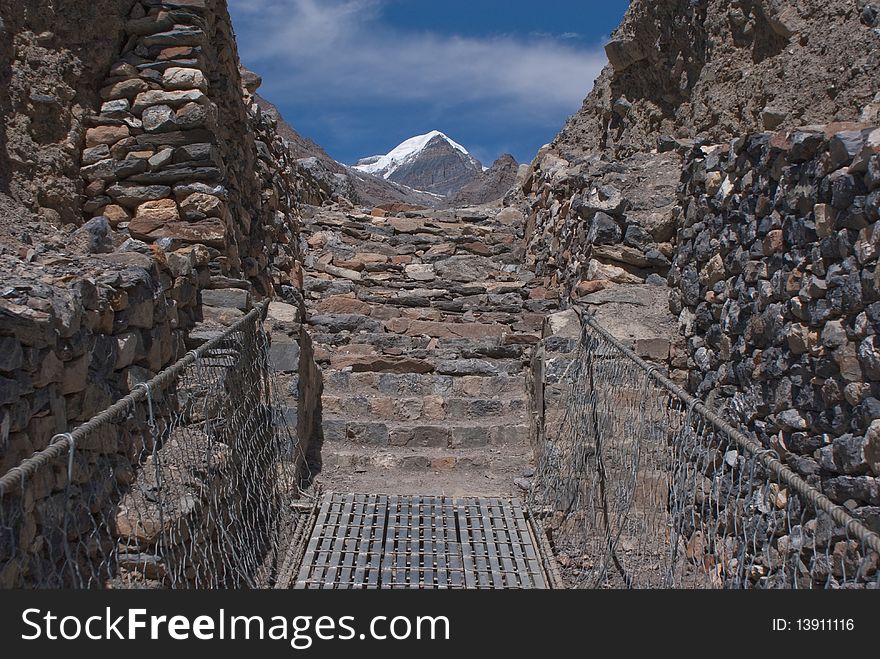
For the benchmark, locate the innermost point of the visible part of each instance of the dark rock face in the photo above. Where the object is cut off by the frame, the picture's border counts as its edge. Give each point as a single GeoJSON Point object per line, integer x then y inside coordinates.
{"type": "Point", "coordinates": [775, 281]}
{"type": "Point", "coordinates": [440, 168]}
{"type": "Point", "coordinates": [300, 146]}
{"type": "Point", "coordinates": [715, 69]}
{"type": "Point", "coordinates": [374, 191]}
{"type": "Point", "coordinates": [493, 184]}
{"type": "Point", "coordinates": [50, 73]}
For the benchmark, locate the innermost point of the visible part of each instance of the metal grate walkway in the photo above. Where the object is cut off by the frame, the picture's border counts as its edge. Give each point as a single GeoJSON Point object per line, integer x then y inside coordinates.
{"type": "Point", "coordinates": [380, 541]}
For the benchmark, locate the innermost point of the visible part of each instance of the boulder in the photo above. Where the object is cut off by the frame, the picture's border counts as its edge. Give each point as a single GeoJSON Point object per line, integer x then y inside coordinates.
{"type": "Point", "coordinates": [623, 52]}
{"type": "Point", "coordinates": [871, 447]}
{"type": "Point", "coordinates": [465, 268]}
{"type": "Point", "coordinates": [179, 78]}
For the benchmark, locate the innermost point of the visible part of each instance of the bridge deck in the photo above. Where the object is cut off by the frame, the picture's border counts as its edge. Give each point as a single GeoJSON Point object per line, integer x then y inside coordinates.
{"type": "Point", "coordinates": [387, 541]}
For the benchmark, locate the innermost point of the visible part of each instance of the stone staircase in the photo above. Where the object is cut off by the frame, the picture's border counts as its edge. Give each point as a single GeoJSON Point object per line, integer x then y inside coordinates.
{"type": "Point", "coordinates": [424, 323]}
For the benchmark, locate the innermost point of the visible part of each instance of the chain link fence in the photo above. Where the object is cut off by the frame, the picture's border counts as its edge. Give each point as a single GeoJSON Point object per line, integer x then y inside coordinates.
{"type": "Point", "coordinates": [643, 486]}
{"type": "Point", "coordinates": [187, 482]}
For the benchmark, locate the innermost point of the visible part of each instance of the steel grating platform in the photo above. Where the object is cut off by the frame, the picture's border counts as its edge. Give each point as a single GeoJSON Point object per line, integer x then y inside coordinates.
{"type": "Point", "coordinates": [387, 541]}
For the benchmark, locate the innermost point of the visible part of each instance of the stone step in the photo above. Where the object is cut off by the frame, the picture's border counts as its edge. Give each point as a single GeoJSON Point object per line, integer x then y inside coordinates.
{"type": "Point", "coordinates": [428, 408]}
{"type": "Point", "coordinates": [422, 459]}
{"type": "Point", "coordinates": [402, 324]}
{"type": "Point", "coordinates": [464, 472]}
{"type": "Point", "coordinates": [430, 216]}
{"type": "Point", "coordinates": [424, 324]}
{"type": "Point", "coordinates": [360, 357]}
{"type": "Point", "coordinates": [484, 326]}
{"type": "Point", "coordinates": [398, 254]}
{"type": "Point", "coordinates": [440, 298]}
{"type": "Point", "coordinates": [329, 295]}
{"type": "Point", "coordinates": [364, 255]}
{"type": "Point", "coordinates": [349, 350]}
{"type": "Point", "coordinates": [406, 289]}
{"type": "Point", "coordinates": [415, 322]}
{"type": "Point", "coordinates": [391, 343]}
{"type": "Point", "coordinates": [342, 383]}
{"type": "Point", "coordinates": [469, 433]}
{"type": "Point", "coordinates": [431, 363]}
{"type": "Point", "coordinates": [355, 227]}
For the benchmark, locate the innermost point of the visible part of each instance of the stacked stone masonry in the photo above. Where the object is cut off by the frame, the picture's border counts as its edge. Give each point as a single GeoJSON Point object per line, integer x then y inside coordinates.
{"type": "Point", "coordinates": [597, 224]}
{"type": "Point", "coordinates": [178, 154]}
{"type": "Point", "coordinates": [777, 291]}
{"type": "Point", "coordinates": [769, 246]}
{"type": "Point", "coordinates": [424, 323]}
{"type": "Point", "coordinates": [51, 68]}
{"type": "Point", "coordinates": [71, 346]}
{"type": "Point", "coordinates": [189, 217]}
{"type": "Point", "coordinates": [602, 234]}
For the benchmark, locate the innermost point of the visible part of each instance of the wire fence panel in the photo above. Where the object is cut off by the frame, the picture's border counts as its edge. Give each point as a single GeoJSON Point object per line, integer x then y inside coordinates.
{"type": "Point", "coordinates": [187, 482]}
{"type": "Point", "coordinates": [644, 487]}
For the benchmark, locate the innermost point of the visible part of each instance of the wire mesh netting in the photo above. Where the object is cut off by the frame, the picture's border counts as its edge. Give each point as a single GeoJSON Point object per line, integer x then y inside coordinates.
{"type": "Point", "coordinates": [642, 486]}
{"type": "Point", "coordinates": [187, 482]}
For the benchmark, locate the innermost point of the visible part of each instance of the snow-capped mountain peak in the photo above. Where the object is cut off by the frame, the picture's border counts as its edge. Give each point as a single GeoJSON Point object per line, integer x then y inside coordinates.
{"type": "Point", "coordinates": [429, 163]}
{"type": "Point", "coordinates": [403, 154]}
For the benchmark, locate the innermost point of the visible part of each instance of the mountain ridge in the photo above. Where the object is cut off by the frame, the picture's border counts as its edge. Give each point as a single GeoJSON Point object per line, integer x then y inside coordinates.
{"type": "Point", "coordinates": [425, 170]}
{"type": "Point", "coordinates": [337, 178]}
{"type": "Point", "coordinates": [492, 184]}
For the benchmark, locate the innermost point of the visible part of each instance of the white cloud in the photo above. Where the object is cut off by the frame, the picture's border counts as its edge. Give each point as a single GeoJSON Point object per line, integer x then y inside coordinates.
{"type": "Point", "coordinates": [341, 50]}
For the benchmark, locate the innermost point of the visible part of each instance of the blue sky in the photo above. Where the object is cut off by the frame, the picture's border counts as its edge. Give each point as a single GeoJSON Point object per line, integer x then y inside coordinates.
{"type": "Point", "coordinates": [361, 76]}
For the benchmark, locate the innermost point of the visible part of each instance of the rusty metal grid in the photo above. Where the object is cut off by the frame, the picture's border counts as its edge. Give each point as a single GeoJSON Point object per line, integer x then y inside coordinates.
{"type": "Point", "coordinates": [498, 548]}
{"type": "Point", "coordinates": [427, 542]}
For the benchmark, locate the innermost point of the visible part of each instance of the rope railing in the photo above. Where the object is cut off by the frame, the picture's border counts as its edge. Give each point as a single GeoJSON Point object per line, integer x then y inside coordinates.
{"type": "Point", "coordinates": [643, 485]}
{"type": "Point", "coordinates": [61, 443]}
{"type": "Point", "coordinates": [185, 482]}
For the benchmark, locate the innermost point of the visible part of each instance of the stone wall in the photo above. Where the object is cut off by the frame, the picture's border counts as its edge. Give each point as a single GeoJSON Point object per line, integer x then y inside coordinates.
{"type": "Point", "coordinates": [179, 154]}
{"type": "Point", "coordinates": [72, 345]}
{"type": "Point", "coordinates": [601, 234]}
{"type": "Point", "coordinates": [193, 199]}
{"type": "Point", "coordinates": [547, 378]}
{"type": "Point", "coordinates": [600, 223]}
{"type": "Point", "coordinates": [777, 291]}
{"type": "Point", "coordinates": [600, 198]}
{"type": "Point", "coordinates": [292, 356]}
{"type": "Point", "coordinates": [188, 216]}
{"type": "Point", "coordinates": [73, 340]}
{"type": "Point", "coordinates": [771, 276]}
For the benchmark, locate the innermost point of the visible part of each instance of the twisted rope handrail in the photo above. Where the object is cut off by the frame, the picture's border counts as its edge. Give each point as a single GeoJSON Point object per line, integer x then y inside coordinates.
{"type": "Point", "coordinates": [61, 443]}
{"type": "Point", "coordinates": [765, 456]}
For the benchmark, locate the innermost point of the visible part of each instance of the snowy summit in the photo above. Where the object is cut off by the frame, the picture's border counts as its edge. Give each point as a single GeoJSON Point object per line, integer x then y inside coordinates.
{"type": "Point", "coordinates": [404, 153]}
{"type": "Point", "coordinates": [430, 163]}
